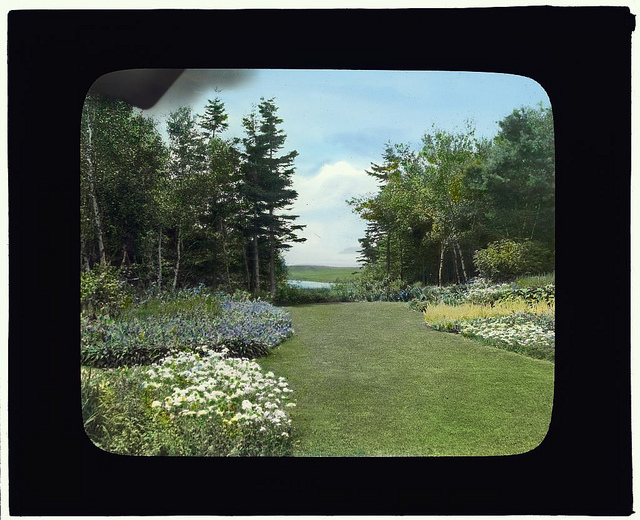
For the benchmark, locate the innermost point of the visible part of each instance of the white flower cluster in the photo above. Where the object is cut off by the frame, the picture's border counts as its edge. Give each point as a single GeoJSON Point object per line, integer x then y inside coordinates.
{"type": "Point", "coordinates": [233, 389]}
{"type": "Point", "coordinates": [528, 334]}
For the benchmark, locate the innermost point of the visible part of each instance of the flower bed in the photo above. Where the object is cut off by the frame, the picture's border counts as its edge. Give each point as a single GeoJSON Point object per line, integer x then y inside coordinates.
{"type": "Point", "coordinates": [534, 332]}
{"type": "Point", "coordinates": [519, 319]}
{"type": "Point", "coordinates": [191, 403]}
{"type": "Point", "coordinates": [482, 292]}
{"type": "Point", "coordinates": [251, 329]}
{"type": "Point", "coordinates": [245, 328]}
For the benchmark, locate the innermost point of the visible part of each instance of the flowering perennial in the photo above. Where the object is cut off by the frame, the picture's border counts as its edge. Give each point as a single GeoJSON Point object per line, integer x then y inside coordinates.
{"type": "Point", "coordinates": [513, 329]}
{"type": "Point", "coordinates": [245, 328]}
{"type": "Point", "coordinates": [251, 328]}
{"type": "Point", "coordinates": [248, 404]}
{"type": "Point", "coordinates": [515, 318]}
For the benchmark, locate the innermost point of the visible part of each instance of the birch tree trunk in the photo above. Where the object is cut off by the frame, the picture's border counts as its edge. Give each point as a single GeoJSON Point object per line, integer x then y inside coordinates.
{"type": "Point", "coordinates": [125, 257]}
{"type": "Point", "coordinates": [455, 262]}
{"type": "Point", "coordinates": [177, 269]}
{"type": "Point", "coordinates": [225, 254]}
{"type": "Point", "coordinates": [389, 253]}
{"type": "Point", "coordinates": [464, 271]}
{"type": "Point", "coordinates": [160, 258]}
{"type": "Point", "coordinates": [92, 194]}
{"type": "Point", "coordinates": [535, 222]}
{"type": "Point", "coordinates": [84, 256]}
{"type": "Point", "coordinates": [442, 248]}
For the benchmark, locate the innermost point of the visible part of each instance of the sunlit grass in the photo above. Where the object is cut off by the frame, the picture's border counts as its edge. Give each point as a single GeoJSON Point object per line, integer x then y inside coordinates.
{"type": "Point", "coordinates": [370, 379]}
{"type": "Point", "coordinates": [314, 273]}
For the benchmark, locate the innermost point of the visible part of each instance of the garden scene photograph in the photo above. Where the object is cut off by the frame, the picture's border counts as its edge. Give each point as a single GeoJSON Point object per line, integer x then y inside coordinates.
{"type": "Point", "coordinates": [318, 263]}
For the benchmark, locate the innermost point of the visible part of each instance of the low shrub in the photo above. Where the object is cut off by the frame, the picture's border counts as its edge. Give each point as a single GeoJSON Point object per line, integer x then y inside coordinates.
{"type": "Point", "coordinates": [194, 404]}
{"type": "Point", "coordinates": [117, 419]}
{"type": "Point", "coordinates": [104, 291]}
{"type": "Point", "coordinates": [251, 328]}
{"type": "Point", "coordinates": [538, 280]}
{"type": "Point", "coordinates": [432, 294]}
{"type": "Point", "coordinates": [387, 290]}
{"type": "Point", "coordinates": [184, 301]}
{"type": "Point", "coordinates": [532, 295]}
{"type": "Point", "coordinates": [105, 342]}
{"type": "Point", "coordinates": [506, 259]}
{"type": "Point", "coordinates": [290, 295]}
{"type": "Point", "coordinates": [480, 291]}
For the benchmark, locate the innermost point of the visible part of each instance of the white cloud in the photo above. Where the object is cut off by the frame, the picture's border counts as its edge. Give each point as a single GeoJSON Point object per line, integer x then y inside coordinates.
{"type": "Point", "coordinates": [332, 227]}
{"type": "Point", "coordinates": [331, 186]}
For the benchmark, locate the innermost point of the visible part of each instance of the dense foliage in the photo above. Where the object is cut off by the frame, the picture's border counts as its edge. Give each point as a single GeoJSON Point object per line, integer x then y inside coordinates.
{"type": "Point", "coordinates": [476, 290]}
{"type": "Point", "coordinates": [506, 259]}
{"type": "Point", "coordinates": [102, 291]}
{"type": "Point", "coordinates": [198, 208]}
{"type": "Point", "coordinates": [461, 206]}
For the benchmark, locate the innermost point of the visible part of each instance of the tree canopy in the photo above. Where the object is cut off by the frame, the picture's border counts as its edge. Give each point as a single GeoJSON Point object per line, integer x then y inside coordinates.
{"type": "Point", "coordinates": [458, 194]}
{"type": "Point", "coordinates": [202, 207]}
{"type": "Point", "coordinates": [198, 208]}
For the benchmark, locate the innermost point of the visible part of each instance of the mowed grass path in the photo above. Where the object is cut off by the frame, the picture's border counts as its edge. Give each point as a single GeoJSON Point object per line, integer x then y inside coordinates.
{"type": "Point", "coordinates": [371, 379]}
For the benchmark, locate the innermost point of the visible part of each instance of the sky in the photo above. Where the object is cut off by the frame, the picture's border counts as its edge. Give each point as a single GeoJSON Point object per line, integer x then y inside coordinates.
{"type": "Point", "coordinates": [339, 122]}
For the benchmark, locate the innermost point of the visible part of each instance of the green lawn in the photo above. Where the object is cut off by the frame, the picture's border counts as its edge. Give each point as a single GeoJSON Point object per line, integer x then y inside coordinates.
{"type": "Point", "coordinates": [372, 379]}
{"type": "Point", "coordinates": [314, 273]}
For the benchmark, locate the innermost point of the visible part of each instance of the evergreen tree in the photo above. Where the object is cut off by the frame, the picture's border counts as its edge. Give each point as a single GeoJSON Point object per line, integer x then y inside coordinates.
{"type": "Point", "coordinates": [267, 188]}
{"type": "Point", "coordinates": [214, 119]}
{"type": "Point", "coordinates": [520, 177]}
{"type": "Point", "coordinates": [254, 193]}
{"type": "Point", "coordinates": [278, 171]}
{"type": "Point", "coordinates": [222, 202]}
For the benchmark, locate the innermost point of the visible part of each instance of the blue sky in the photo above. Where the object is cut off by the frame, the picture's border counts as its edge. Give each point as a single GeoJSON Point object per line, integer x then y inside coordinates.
{"type": "Point", "coordinates": [339, 122]}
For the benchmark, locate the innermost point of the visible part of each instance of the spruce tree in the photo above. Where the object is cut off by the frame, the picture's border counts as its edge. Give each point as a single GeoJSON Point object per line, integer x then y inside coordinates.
{"type": "Point", "coordinates": [268, 178]}
{"type": "Point", "coordinates": [215, 118]}
{"type": "Point", "coordinates": [279, 170]}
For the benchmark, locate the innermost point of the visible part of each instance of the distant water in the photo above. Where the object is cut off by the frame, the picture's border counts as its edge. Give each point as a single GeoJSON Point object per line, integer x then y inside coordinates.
{"type": "Point", "coordinates": [303, 284]}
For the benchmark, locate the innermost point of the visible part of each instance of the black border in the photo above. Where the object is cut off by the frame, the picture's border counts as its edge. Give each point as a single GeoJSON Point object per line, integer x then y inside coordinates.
{"type": "Point", "coordinates": [581, 56]}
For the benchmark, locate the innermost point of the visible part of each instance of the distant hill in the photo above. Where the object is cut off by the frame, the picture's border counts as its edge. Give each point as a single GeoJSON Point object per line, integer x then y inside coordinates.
{"type": "Point", "coordinates": [320, 273]}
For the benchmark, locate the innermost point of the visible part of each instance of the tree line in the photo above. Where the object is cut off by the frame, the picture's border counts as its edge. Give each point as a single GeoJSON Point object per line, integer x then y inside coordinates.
{"type": "Point", "coordinates": [200, 208]}
{"type": "Point", "coordinates": [460, 205]}
{"type": "Point", "coordinates": [205, 208]}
